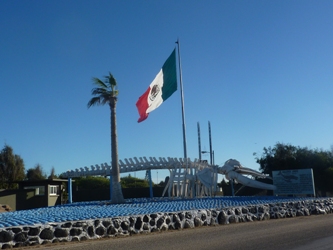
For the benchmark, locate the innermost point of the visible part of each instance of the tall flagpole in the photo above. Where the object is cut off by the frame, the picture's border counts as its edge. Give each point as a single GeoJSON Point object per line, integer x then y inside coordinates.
{"type": "Point", "coordinates": [210, 144]}
{"type": "Point", "coordinates": [183, 113]}
{"type": "Point", "coordinates": [199, 141]}
{"type": "Point", "coordinates": [182, 101]}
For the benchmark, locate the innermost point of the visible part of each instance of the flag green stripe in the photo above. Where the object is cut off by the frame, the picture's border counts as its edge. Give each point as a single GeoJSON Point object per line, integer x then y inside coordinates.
{"type": "Point", "coordinates": [169, 76]}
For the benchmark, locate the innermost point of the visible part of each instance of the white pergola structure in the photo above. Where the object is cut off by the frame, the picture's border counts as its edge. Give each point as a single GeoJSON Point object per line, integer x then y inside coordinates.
{"type": "Point", "coordinates": [187, 178]}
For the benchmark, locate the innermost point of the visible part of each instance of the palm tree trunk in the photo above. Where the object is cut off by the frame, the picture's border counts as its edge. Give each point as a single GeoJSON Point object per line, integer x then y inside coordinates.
{"type": "Point", "coordinates": [117, 194]}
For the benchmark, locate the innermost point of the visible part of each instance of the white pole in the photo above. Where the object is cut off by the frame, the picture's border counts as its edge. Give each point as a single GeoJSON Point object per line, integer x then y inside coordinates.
{"type": "Point", "coordinates": [199, 141]}
{"type": "Point", "coordinates": [183, 115]}
{"type": "Point", "coordinates": [210, 144]}
{"type": "Point", "coordinates": [182, 101]}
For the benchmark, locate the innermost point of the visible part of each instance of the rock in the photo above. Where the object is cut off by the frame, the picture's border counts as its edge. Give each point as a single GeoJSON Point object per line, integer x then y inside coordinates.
{"type": "Point", "coordinates": [318, 210]}
{"type": "Point", "coordinates": [254, 217]}
{"type": "Point", "coordinates": [75, 232]}
{"type": "Point", "coordinates": [153, 216]}
{"type": "Point", "coordinates": [242, 218]}
{"type": "Point", "coordinates": [56, 240]}
{"type": "Point", "coordinates": [306, 212]}
{"type": "Point", "coordinates": [112, 231]}
{"type": "Point", "coordinates": [253, 210]}
{"type": "Point", "coordinates": [230, 211]}
{"type": "Point", "coordinates": [33, 231]}
{"type": "Point", "coordinates": [131, 220]}
{"type": "Point", "coordinates": [214, 213]}
{"type": "Point", "coordinates": [33, 240]}
{"type": "Point", "coordinates": [197, 222]}
{"type": "Point", "coordinates": [115, 223]}
{"type": "Point", "coordinates": [106, 223]}
{"type": "Point", "coordinates": [145, 227]}
{"type": "Point", "coordinates": [46, 234]}
{"type": "Point", "coordinates": [177, 225]}
{"type": "Point", "coordinates": [67, 225]}
{"type": "Point", "coordinates": [125, 225]}
{"type": "Point", "coordinates": [299, 213]}
{"type": "Point", "coordinates": [59, 233]}
{"type": "Point", "coordinates": [96, 223]}
{"type": "Point", "coordinates": [233, 219]}
{"type": "Point", "coordinates": [187, 224]}
{"type": "Point", "coordinates": [152, 222]}
{"type": "Point", "coordinates": [238, 211]}
{"type": "Point", "coordinates": [213, 221]}
{"type": "Point", "coordinates": [222, 218]}
{"type": "Point", "coordinates": [261, 209]}
{"type": "Point", "coordinates": [138, 223]}
{"type": "Point", "coordinates": [5, 237]}
{"type": "Point", "coordinates": [146, 218]}
{"type": "Point", "coordinates": [16, 230]}
{"type": "Point", "coordinates": [266, 216]}
{"type": "Point", "coordinates": [6, 246]}
{"type": "Point", "coordinates": [188, 215]}
{"type": "Point", "coordinates": [181, 216]}
{"type": "Point", "coordinates": [174, 217]}
{"type": "Point", "coordinates": [132, 231]}
{"type": "Point", "coordinates": [160, 222]}
{"type": "Point", "coordinates": [100, 231]}
{"type": "Point", "coordinates": [91, 232]}
{"type": "Point", "coordinates": [279, 215]}
{"type": "Point", "coordinates": [79, 224]}
{"type": "Point", "coordinates": [20, 244]}
{"type": "Point", "coordinates": [20, 237]}
{"type": "Point", "coordinates": [248, 217]}
{"type": "Point", "coordinates": [245, 210]}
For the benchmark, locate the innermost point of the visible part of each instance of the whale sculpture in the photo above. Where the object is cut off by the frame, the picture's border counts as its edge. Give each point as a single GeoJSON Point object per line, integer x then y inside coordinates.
{"type": "Point", "coordinates": [233, 170]}
{"type": "Point", "coordinates": [203, 179]}
{"type": "Point", "coordinates": [187, 178]}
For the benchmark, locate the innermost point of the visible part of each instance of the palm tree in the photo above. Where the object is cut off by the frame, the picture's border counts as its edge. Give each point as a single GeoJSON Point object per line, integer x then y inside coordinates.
{"type": "Point", "coordinates": [106, 92]}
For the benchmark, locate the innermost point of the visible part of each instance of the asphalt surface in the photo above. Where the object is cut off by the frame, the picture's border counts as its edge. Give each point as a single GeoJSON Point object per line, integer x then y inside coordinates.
{"type": "Point", "coordinates": [300, 233]}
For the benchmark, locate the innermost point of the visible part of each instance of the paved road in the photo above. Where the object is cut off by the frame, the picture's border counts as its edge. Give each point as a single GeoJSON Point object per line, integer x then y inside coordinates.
{"type": "Point", "coordinates": [301, 233]}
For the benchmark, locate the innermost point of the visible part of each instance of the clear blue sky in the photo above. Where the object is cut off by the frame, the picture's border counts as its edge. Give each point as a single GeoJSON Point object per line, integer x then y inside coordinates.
{"type": "Point", "coordinates": [260, 71]}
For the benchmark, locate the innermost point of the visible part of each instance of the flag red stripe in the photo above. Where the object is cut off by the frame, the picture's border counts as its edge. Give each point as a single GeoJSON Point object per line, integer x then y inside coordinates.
{"type": "Point", "coordinates": [142, 105]}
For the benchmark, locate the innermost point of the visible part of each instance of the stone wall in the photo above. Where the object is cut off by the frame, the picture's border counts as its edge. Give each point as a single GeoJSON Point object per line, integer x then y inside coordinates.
{"type": "Point", "coordinates": [142, 224]}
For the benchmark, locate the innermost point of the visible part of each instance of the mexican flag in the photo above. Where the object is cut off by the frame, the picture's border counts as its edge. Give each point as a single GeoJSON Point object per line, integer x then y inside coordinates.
{"type": "Point", "coordinates": [161, 88]}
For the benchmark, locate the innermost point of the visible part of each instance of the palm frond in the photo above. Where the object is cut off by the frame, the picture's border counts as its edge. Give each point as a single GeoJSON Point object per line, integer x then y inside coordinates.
{"type": "Point", "coordinates": [112, 83]}
{"type": "Point", "coordinates": [99, 91]}
{"type": "Point", "coordinates": [99, 83]}
{"type": "Point", "coordinates": [104, 91]}
{"type": "Point", "coordinates": [94, 101]}
{"type": "Point", "coordinates": [112, 80]}
{"type": "Point", "coordinates": [105, 99]}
